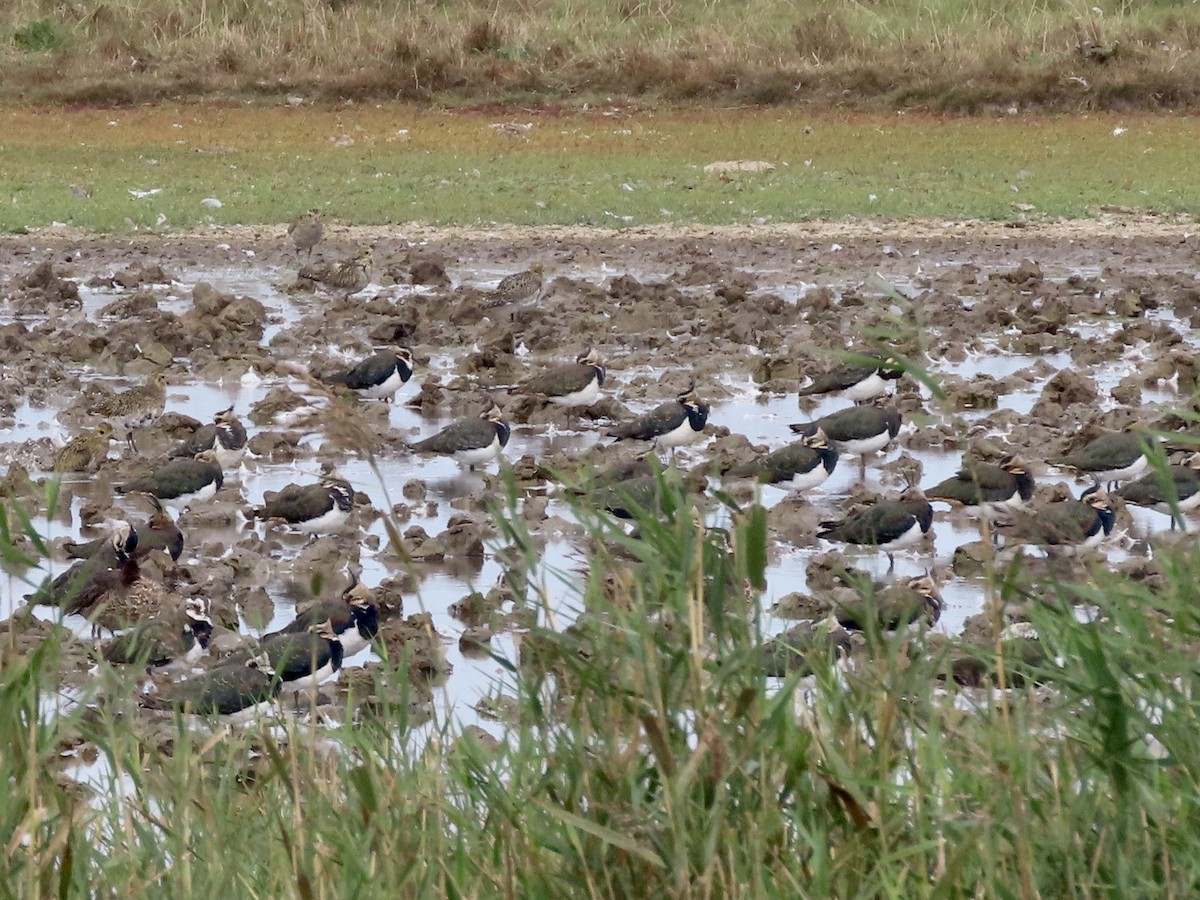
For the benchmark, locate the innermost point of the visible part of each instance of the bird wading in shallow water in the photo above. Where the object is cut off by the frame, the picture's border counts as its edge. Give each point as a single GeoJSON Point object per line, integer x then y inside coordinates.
{"type": "Point", "coordinates": [241, 688]}
{"type": "Point", "coordinates": [313, 508]}
{"type": "Point", "coordinates": [889, 525]}
{"type": "Point", "coordinates": [354, 617]}
{"type": "Point", "coordinates": [159, 532]}
{"type": "Point", "coordinates": [855, 380]}
{"type": "Point", "coordinates": [1067, 526]}
{"type": "Point", "coordinates": [471, 441]}
{"type": "Point", "coordinates": [181, 481]}
{"type": "Point", "coordinates": [133, 408]}
{"type": "Point", "coordinates": [799, 466]}
{"type": "Point", "coordinates": [1111, 458]}
{"type": "Point", "coordinates": [1156, 490]}
{"type": "Point", "coordinates": [892, 606]}
{"type": "Point", "coordinates": [518, 288]}
{"type": "Point", "coordinates": [861, 430]}
{"type": "Point", "coordinates": [226, 437]}
{"type": "Point", "coordinates": [378, 377]}
{"type": "Point", "coordinates": [306, 231]}
{"type": "Point", "coordinates": [346, 278]}
{"type": "Point", "coordinates": [164, 639]}
{"type": "Point", "coordinates": [83, 583]}
{"type": "Point", "coordinates": [573, 386]}
{"type": "Point", "coordinates": [672, 424]}
{"type": "Point", "coordinates": [86, 452]}
{"type": "Point", "coordinates": [992, 489]}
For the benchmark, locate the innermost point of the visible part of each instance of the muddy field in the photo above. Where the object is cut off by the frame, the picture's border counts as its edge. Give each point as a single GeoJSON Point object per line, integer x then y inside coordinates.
{"type": "Point", "coordinates": [1042, 338]}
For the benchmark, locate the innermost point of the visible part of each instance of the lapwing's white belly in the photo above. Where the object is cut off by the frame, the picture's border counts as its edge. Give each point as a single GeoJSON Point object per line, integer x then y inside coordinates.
{"type": "Point", "coordinates": [250, 713]}
{"type": "Point", "coordinates": [867, 389]}
{"type": "Point", "coordinates": [997, 509]}
{"type": "Point", "coordinates": [479, 455]}
{"type": "Point", "coordinates": [803, 481]}
{"type": "Point", "coordinates": [386, 388]}
{"type": "Point", "coordinates": [866, 445]}
{"type": "Point", "coordinates": [228, 457]}
{"type": "Point", "coordinates": [184, 500]}
{"type": "Point", "coordinates": [1187, 504]}
{"type": "Point", "coordinates": [585, 397]}
{"type": "Point", "coordinates": [679, 435]}
{"type": "Point", "coordinates": [352, 641]}
{"type": "Point", "coordinates": [1133, 470]}
{"type": "Point", "coordinates": [907, 538]}
{"type": "Point", "coordinates": [326, 521]}
{"type": "Point", "coordinates": [312, 680]}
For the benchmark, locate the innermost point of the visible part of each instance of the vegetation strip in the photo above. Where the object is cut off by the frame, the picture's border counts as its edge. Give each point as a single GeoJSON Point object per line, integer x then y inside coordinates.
{"type": "Point", "coordinates": [948, 56]}
{"type": "Point", "coordinates": [171, 168]}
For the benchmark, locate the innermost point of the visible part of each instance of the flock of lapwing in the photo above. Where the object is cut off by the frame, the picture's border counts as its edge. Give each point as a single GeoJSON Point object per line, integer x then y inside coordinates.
{"type": "Point", "coordinates": [109, 587]}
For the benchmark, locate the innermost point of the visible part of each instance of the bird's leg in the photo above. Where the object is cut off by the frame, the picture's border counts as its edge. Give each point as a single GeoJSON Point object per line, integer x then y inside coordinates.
{"type": "Point", "coordinates": [862, 467]}
{"type": "Point", "coordinates": [891, 562]}
{"type": "Point", "coordinates": [129, 440]}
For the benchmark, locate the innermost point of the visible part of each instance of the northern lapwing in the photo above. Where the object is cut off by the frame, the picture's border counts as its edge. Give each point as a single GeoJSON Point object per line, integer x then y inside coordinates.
{"type": "Point", "coordinates": [991, 489]}
{"type": "Point", "coordinates": [181, 481]}
{"type": "Point", "coordinates": [889, 525]}
{"type": "Point", "coordinates": [163, 640]}
{"type": "Point", "coordinates": [312, 508]}
{"type": "Point", "coordinates": [1156, 490]}
{"type": "Point", "coordinates": [987, 486]}
{"type": "Point", "coordinates": [574, 385]}
{"type": "Point", "coordinates": [860, 430]}
{"type": "Point", "coordinates": [377, 377]}
{"type": "Point", "coordinates": [519, 288]}
{"type": "Point", "coordinates": [855, 380]}
{"type": "Point", "coordinates": [303, 660]}
{"type": "Point", "coordinates": [797, 648]}
{"type": "Point", "coordinates": [891, 606]}
{"type": "Point", "coordinates": [134, 408]}
{"type": "Point", "coordinates": [354, 617]}
{"type": "Point", "coordinates": [226, 437]}
{"type": "Point", "coordinates": [240, 688]}
{"type": "Point", "coordinates": [1111, 458]}
{"type": "Point", "coordinates": [1070, 526]}
{"type": "Point", "coordinates": [473, 441]}
{"type": "Point", "coordinates": [85, 452]}
{"type": "Point", "coordinates": [84, 582]}
{"type": "Point", "coordinates": [800, 466]}
{"type": "Point", "coordinates": [306, 231]}
{"type": "Point", "coordinates": [644, 493]}
{"type": "Point", "coordinates": [347, 277]}
{"type": "Point", "coordinates": [672, 424]}
{"type": "Point", "coordinates": [159, 532]}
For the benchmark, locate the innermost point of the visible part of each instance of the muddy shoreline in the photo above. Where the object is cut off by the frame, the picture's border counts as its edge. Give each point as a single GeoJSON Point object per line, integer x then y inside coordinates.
{"type": "Point", "coordinates": [1042, 337]}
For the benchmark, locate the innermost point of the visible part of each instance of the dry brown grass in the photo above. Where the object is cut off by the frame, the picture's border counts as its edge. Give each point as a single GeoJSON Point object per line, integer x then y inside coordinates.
{"type": "Point", "coordinates": [942, 54]}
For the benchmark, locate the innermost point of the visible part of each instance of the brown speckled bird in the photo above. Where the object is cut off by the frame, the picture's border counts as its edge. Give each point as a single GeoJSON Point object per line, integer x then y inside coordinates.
{"type": "Point", "coordinates": [85, 452]}
{"type": "Point", "coordinates": [135, 407]}
{"type": "Point", "coordinates": [347, 277]}
{"type": "Point", "coordinates": [520, 287]}
{"type": "Point", "coordinates": [306, 231]}
{"type": "Point", "coordinates": [128, 597]}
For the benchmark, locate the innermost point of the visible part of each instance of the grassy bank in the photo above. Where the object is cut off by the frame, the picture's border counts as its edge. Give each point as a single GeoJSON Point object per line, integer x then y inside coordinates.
{"type": "Point", "coordinates": [646, 755]}
{"type": "Point", "coordinates": [396, 164]}
{"type": "Point", "coordinates": [953, 55]}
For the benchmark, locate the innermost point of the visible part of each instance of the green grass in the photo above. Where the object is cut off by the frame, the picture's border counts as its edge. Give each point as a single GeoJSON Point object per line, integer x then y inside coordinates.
{"type": "Point", "coordinates": [943, 54]}
{"type": "Point", "coordinates": [648, 757]}
{"type": "Point", "coordinates": [397, 164]}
